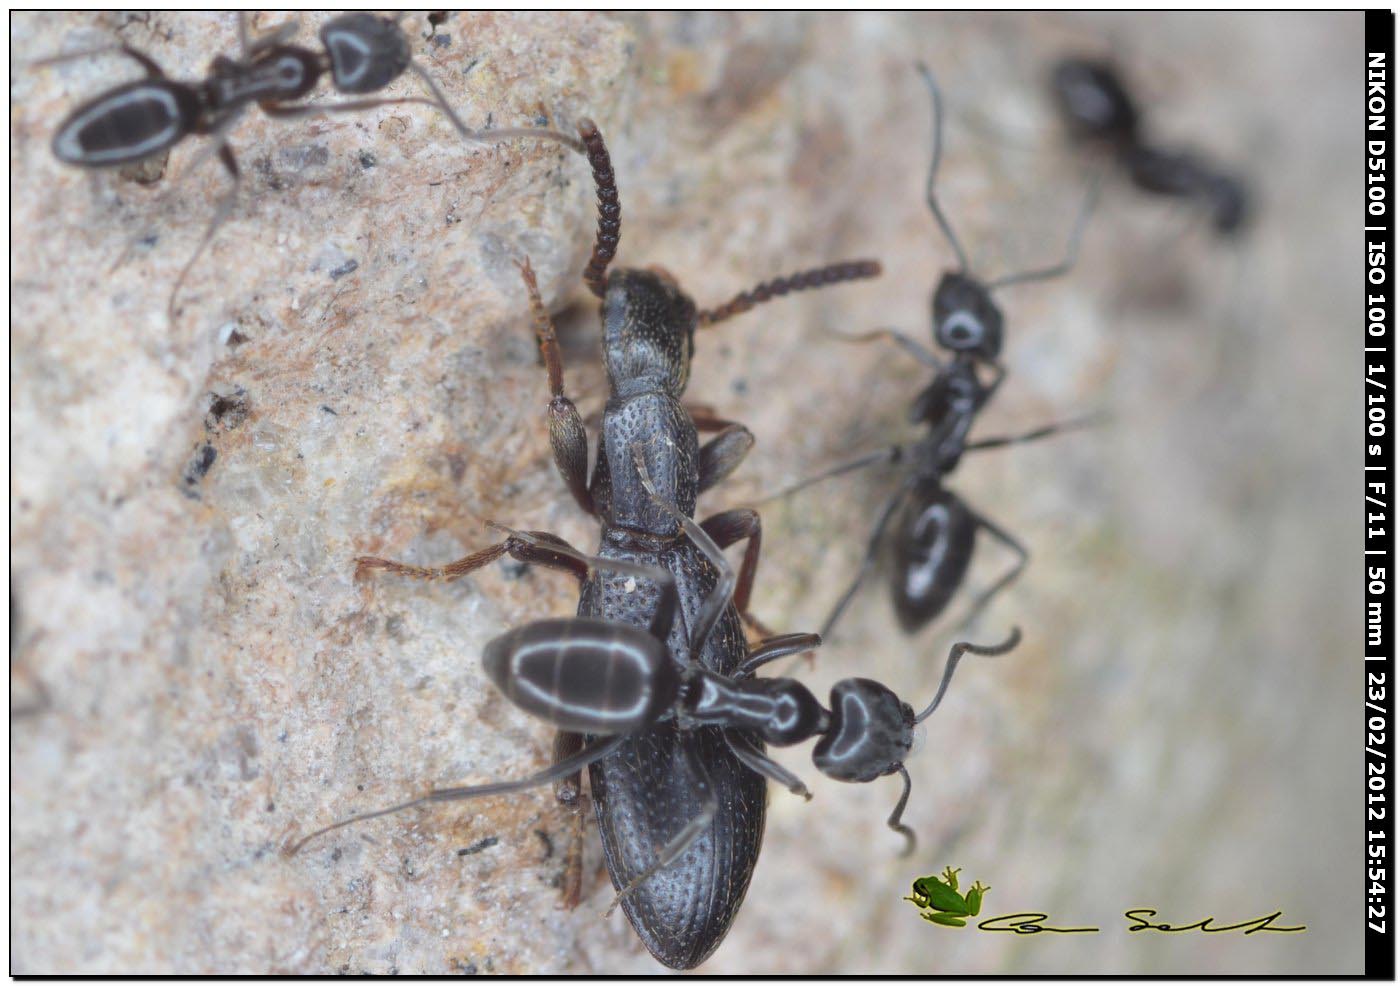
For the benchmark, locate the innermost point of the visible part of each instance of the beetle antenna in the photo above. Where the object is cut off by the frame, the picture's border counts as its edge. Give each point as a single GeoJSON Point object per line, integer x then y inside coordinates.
{"type": "Point", "coordinates": [609, 208]}
{"type": "Point", "coordinates": [933, 205]}
{"type": "Point", "coordinates": [819, 277]}
{"type": "Point", "coordinates": [956, 654]}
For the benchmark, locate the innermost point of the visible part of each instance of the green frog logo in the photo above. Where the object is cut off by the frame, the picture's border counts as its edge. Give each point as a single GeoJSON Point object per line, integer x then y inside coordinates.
{"type": "Point", "coordinates": [939, 901]}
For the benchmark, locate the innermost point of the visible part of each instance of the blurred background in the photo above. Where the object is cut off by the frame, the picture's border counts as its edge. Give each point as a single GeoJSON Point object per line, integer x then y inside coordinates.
{"type": "Point", "coordinates": [195, 678]}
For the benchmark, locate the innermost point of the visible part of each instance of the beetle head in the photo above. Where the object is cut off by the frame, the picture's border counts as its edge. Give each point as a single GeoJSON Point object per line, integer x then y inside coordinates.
{"type": "Point", "coordinates": [648, 331]}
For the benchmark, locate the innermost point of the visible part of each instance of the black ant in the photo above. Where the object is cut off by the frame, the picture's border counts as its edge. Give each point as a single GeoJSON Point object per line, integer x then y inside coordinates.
{"type": "Point", "coordinates": [932, 540]}
{"type": "Point", "coordinates": [1097, 109]}
{"type": "Point", "coordinates": [138, 120]}
{"type": "Point", "coordinates": [650, 685]}
{"type": "Point", "coordinates": [620, 680]}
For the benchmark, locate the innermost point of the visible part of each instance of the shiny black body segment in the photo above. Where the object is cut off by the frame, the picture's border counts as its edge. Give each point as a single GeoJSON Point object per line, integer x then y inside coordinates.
{"type": "Point", "coordinates": [1097, 109]}
{"type": "Point", "coordinates": [652, 685]}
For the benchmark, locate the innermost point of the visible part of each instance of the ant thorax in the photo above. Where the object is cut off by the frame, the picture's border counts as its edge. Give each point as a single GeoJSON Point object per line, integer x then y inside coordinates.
{"type": "Point", "coordinates": [284, 73]}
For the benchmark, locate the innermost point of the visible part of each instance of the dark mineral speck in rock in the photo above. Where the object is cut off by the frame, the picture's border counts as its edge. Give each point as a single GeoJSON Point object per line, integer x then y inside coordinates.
{"type": "Point", "coordinates": [478, 846]}
{"type": "Point", "coordinates": [367, 160]}
{"type": "Point", "coordinates": [350, 266]}
{"type": "Point", "coordinates": [442, 40]}
{"type": "Point", "coordinates": [200, 463]}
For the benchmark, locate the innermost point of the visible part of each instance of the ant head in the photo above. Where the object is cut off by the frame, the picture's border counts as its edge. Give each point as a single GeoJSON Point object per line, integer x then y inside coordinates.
{"type": "Point", "coordinates": [648, 330]}
{"type": "Point", "coordinates": [367, 52]}
{"type": "Point", "coordinates": [1093, 101]}
{"type": "Point", "coordinates": [871, 732]}
{"type": "Point", "coordinates": [965, 319]}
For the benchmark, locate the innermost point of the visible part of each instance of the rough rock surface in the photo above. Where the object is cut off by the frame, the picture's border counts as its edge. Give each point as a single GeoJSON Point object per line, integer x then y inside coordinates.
{"type": "Point", "coordinates": [195, 677]}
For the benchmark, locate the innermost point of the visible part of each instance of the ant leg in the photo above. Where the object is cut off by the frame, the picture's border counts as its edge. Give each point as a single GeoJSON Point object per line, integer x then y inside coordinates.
{"type": "Point", "coordinates": [544, 549]}
{"type": "Point", "coordinates": [1031, 436]}
{"type": "Point", "coordinates": [565, 767]}
{"type": "Point", "coordinates": [1023, 557]}
{"type": "Point", "coordinates": [722, 454]}
{"type": "Point", "coordinates": [910, 840]}
{"type": "Point", "coordinates": [872, 548]}
{"type": "Point", "coordinates": [569, 793]}
{"type": "Point", "coordinates": [729, 528]}
{"type": "Point", "coordinates": [492, 136]}
{"type": "Point", "coordinates": [567, 436]}
{"type": "Point", "coordinates": [687, 835]}
{"type": "Point", "coordinates": [723, 593]}
{"type": "Point", "coordinates": [152, 69]}
{"type": "Point", "coordinates": [774, 648]}
{"type": "Point", "coordinates": [754, 759]}
{"type": "Point", "coordinates": [251, 46]}
{"type": "Point", "coordinates": [221, 213]}
{"type": "Point", "coordinates": [914, 348]}
{"type": "Point", "coordinates": [885, 456]}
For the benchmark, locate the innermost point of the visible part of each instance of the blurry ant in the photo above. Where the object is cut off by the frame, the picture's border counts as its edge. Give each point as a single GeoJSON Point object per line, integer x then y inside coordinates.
{"type": "Point", "coordinates": [932, 541]}
{"type": "Point", "coordinates": [138, 120]}
{"type": "Point", "coordinates": [1097, 109]}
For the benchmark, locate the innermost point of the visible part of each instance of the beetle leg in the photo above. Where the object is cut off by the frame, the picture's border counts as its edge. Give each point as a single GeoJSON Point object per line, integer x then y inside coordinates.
{"type": "Point", "coordinates": [722, 454]}
{"type": "Point", "coordinates": [568, 791]}
{"type": "Point", "coordinates": [541, 548]}
{"type": "Point", "coordinates": [567, 436]}
{"type": "Point", "coordinates": [729, 528]}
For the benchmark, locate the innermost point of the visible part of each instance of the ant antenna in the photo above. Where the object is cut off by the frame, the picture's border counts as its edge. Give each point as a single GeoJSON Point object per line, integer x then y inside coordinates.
{"type": "Point", "coordinates": [1071, 251]}
{"type": "Point", "coordinates": [609, 208]}
{"type": "Point", "coordinates": [955, 655]}
{"type": "Point", "coordinates": [943, 223]}
{"type": "Point", "coordinates": [850, 270]}
{"type": "Point", "coordinates": [482, 136]}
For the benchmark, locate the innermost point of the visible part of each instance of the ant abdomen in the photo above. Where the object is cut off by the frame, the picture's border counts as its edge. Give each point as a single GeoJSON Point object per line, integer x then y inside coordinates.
{"type": "Point", "coordinates": [127, 124]}
{"type": "Point", "coordinates": [609, 678]}
{"type": "Point", "coordinates": [932, 552]}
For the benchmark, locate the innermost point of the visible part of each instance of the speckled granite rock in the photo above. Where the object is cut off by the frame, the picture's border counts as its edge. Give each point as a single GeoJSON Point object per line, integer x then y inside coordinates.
{"type": "Point", "coordinates": [196, 678]}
